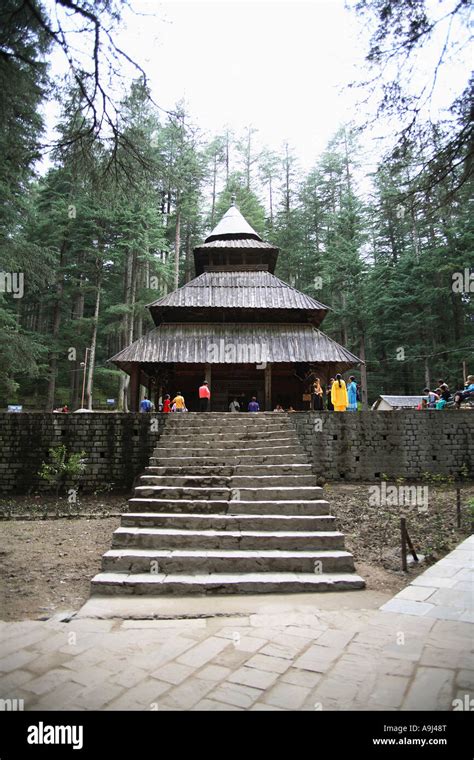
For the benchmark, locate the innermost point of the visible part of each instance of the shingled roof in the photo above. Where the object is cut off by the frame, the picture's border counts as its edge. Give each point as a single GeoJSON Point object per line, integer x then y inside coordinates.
{"type": "Point", "coordinates": [237, 243]}
{"type": "Point", "coordinates": [233, 225]}
{"type": "Point", "coordinates": [247, 290]}
{"type": "Point", "coordinates": [236, 344]}
{"type": "Point", "coordinates": [399, 402]}
{"type": "Point", "coordinates": [235, 302]}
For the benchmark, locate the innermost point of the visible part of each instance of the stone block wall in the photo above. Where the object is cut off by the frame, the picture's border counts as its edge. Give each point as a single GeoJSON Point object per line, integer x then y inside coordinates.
{"type": "Point", "coordinates": [352, 447]}
{"type": "Point", "coordinates": [118, 447]}
{"type": "Point", "coordinates": [364, 446]}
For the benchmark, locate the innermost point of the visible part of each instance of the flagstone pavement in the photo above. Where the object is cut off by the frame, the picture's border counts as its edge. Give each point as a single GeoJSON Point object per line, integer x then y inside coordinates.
{"type": "Point", "coordinates": [304, 652]}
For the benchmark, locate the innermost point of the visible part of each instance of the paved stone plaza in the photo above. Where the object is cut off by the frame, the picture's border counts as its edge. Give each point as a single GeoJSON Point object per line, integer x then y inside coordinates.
{"type": "Point", "coordinates": [331, 651]}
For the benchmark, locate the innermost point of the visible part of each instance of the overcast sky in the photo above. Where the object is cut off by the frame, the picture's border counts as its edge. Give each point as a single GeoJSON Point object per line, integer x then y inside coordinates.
{"type": "Point", "coordinates": [282, 67]}
{"type": "Point", "coordinates": [279, 66]}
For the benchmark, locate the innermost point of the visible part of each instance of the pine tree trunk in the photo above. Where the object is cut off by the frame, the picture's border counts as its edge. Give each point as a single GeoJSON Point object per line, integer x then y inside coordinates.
{"type": "Point", "coordinates": [78, 313]}
{"type": "Point", "coordinates": [189, 255]}
{"type": "Point", "coordinates": [90, 374]}
{"type": "Point", "coordinates": [127, 325]}
{"type": "Point", "coordinates": [214, 179]}
{"type": "Point", "coordinates": [53, 362]}
{"type": "Point", "coordinates": [363, 376]}
{"type": "Point", "coordinates": [248, 159]}
{"type": "Point", "coordinates": [177, 243]}
{"type": "Point", "coordinates": [345, 337]}
{"type": "Point", "coordinates": [287, 180]}
{"type": "Point", "coordinates": [270, 191]}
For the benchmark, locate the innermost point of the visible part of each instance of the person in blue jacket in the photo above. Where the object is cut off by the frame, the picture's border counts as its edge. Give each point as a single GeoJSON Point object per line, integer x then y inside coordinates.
{"type": "Point", "coordinates": [352, 394]}
{"type": "Point", "coordinates": [145, 405]}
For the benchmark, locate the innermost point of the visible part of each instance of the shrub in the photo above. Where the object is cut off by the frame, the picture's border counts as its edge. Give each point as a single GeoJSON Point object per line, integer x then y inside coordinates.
{"type": "Point", "coordinates": [62, 467]}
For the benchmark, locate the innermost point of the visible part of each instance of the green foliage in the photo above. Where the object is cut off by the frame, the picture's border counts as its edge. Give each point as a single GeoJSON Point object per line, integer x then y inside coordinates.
{"type": "Point", "coordinates": [113, 222]}
{"type": "Point", "coordinates": [62, 467]}
{"type": "Point", "coordinates": [23, 84]}
{"type": "Point", "coordinates": [438, 479]}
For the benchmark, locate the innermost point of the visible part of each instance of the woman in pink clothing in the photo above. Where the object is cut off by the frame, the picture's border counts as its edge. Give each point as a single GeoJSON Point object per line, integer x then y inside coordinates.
{"type": "Point", "coordinates": [204, 397]}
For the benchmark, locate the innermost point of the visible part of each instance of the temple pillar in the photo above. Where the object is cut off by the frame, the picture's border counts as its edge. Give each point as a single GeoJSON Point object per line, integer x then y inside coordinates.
{"type": "Point", "coordinates": [208, 377]}
{"type": "Point", "coordinates": [268, 388]}
{"type": "Point", "coordinates": [134, 387]}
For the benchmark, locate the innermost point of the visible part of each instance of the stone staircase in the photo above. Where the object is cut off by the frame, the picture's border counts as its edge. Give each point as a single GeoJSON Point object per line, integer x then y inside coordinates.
{"type": "Point", "coordinates": [228, 504]}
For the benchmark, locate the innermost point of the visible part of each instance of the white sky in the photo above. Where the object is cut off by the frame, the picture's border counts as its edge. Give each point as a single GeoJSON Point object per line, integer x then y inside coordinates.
{"type": "Point", "coordinates": [281, 67]}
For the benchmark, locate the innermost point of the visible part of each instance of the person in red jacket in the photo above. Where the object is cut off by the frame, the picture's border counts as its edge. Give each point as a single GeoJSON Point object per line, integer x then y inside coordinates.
{"type": "Point", "coordinates": [167, 404]}
{"type": "Point", "coordinates": [204, 397]}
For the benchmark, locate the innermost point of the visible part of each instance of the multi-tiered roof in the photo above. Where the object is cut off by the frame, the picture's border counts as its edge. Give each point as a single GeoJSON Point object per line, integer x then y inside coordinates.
{"type": "Point", "coordinates": [236, 298]}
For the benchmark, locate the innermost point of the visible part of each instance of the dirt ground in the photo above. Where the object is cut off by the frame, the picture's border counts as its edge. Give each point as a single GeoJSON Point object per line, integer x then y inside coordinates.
{"type": "Point", "coordinates": [47, 560]}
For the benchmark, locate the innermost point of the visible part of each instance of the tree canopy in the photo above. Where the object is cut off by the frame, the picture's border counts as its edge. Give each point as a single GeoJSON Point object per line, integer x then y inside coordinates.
{"type": "Point", "coordinates": [111, 225]}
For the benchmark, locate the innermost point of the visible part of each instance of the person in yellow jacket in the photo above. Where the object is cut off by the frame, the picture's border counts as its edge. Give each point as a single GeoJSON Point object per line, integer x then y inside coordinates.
{"type": "Point", "coordinates": [339, 396]}
{"type": "Point", "coordinates": [179, 403]}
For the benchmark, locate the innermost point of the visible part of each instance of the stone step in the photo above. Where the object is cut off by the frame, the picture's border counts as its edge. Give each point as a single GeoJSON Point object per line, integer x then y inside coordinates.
{"type": "Point", "coordinates": [250, 423]}
{"type": "Point", "coordinates": [209, 506]}
{"type": "Point", "coordinates": [184, 493]}
{"type": "Point", "coordinates": [187, 424]}
{"type": "Point", "coordinates": [265, 493]}
{"type": "Point", "coordinates": [171, 538]}
{"type": "Point", "coordinates": [226, 413]}
{"type": "Point", "coordinates": [228, 460]}
{"type": "Point", "coordinates": [228, 504]}
{"type": "Point", "coordinates": [204, 451]}
{"type": "Point", "coordinates": [227, 442]}
{"type": "Point", "coordinates": [225, 561]}
{"type": "Point", "coordinates": [218, 435]}
{"type": "Point", "coordinates": [222, 417]}
{"type": "Point", "coordinates": [124, 584]}
{"type": "Point", "coordinates": [234, 481]}
{"type": "Point", "coordinates": [231, 470]}
{"type": "Point", "coordinates": [186, 520]}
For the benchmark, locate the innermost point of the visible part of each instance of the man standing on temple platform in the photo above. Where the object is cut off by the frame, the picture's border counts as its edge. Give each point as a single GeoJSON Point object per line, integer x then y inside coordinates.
{"type": "Point", "coordinates": [204, 397]}
{"type": "Point", "coordinates": [146, 405]}
{"type": "Point", "coordinates": [253, 406]}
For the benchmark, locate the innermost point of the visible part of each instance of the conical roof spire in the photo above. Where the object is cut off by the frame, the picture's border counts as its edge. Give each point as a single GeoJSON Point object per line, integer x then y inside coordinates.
{"type": "Point", "coordinates": [233, 226]}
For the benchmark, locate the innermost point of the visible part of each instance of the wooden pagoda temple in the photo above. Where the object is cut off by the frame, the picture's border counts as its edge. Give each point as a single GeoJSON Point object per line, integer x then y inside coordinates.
{"type": "Point", "coordinates": [237, 326]}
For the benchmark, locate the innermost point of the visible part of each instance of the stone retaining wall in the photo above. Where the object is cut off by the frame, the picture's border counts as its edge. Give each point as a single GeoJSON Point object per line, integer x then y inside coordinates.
{"type": "Point", "coordinates": [118, 447]}
{"type": "Point", "coordinates": [353, 447]}
{"type": "Point", "coordinates": [364, 446]}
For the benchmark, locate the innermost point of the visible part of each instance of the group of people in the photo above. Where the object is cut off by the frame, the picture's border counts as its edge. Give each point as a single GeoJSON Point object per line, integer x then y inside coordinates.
{"type": "Point", "coordinates": [252, 406]}
{"type": "Point", "coordinates": [61, 409]}
{"type": "Point", "coordinates": [178, 404]}
{"type": "Point", "coordinates": [442, 396]}
{"type": "Point", "coordinates": [339, 396]}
